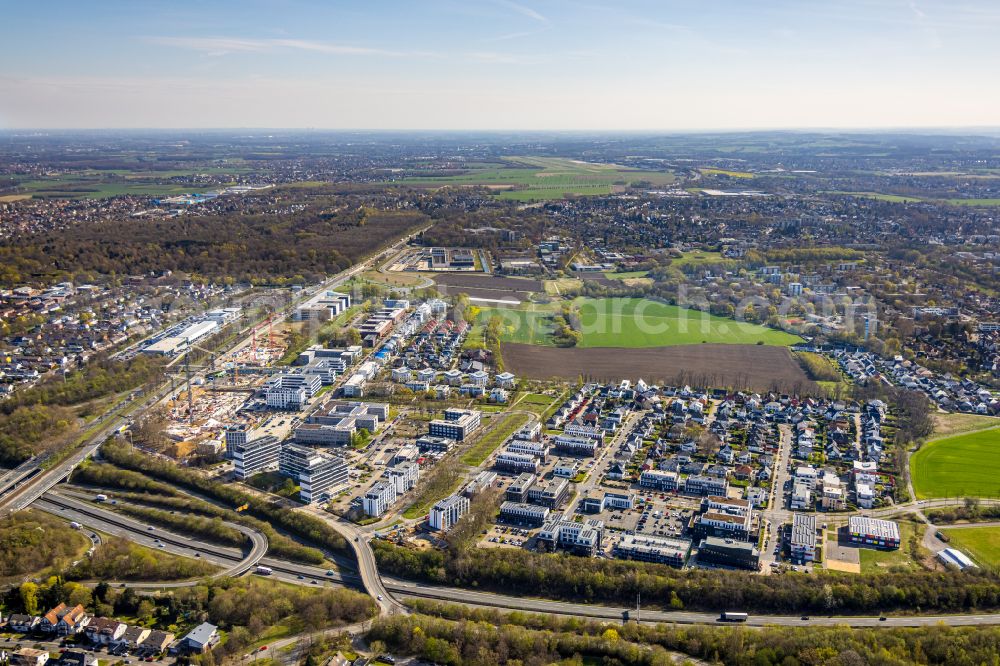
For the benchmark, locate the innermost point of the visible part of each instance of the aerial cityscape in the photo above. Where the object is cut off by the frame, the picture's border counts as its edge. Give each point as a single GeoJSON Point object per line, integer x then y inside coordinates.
{"type": "Point", "coordinates": [500, 333]}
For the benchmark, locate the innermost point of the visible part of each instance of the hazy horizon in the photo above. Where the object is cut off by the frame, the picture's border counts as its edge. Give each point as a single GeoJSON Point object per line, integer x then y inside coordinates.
{"type": "Point", "coordinates": [502, 65]}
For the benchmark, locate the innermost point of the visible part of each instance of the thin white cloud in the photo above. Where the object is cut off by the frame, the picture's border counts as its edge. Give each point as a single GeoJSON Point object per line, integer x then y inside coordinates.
{"type": "Point", "coordinates": [508, 37]}
{"type": "Point", "coordinates": [492, 57]}
{"type": "Point", "coordinates": [523, 10]}
{"type": "Point", "coordinates": [226, 45]}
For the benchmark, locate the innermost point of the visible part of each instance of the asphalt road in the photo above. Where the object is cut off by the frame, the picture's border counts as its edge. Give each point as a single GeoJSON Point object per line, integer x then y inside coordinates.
{"type": "Point", "coordinates": [399, 589]}
{"type": "Point", "coordinates": [110, 522]}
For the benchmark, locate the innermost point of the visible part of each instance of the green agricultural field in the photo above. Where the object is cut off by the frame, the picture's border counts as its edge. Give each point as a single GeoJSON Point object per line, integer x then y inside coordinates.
{"type": "Point", "coordinates": [896, 198]}
{"type": "Point", "coordinates": [636, 322]}
{"type": "Point", "coordinates": [95, 187]}
{"type": "Point", "coordinates": [965, 465]}
{"type": "Point", "coordinates": [973, 202]}
{"type": "Point", "coordinates": [633, 322]}
{"type": "Point", "coordinates": [980, 543]}
{"type": "Point", "coordinates": [545, 178]}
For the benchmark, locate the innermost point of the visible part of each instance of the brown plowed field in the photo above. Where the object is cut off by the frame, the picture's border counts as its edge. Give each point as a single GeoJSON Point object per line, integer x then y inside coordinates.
{"type": "Point", "coordinates": [757, 367]}
{"type": "Point", "coordinates": [488, 282]}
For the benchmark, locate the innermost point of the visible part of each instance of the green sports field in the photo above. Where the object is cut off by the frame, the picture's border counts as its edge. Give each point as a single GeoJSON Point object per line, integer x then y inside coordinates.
{"type": "Point", "coordinates": [635, 323]}
{"type": "Point", "coordinates": [980, 543]}
{"type": "Point", "coordinates": [965, 465]}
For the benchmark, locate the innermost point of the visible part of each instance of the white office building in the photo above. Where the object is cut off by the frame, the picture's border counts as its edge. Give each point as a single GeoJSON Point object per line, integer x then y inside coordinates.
{"type": "Point", "coordinates": [255, 456]}
{"type": "Point", "coordinates": [404, 476]}
{"type": "Point", "coordinates": [379, 498]}
{"type": "Point", "coordinates": [448, 511]}
{"type": "Point", "coordinates": [319, 475]}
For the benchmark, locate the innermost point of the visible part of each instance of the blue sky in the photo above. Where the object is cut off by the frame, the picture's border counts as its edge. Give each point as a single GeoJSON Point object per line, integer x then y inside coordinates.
{"type": "Point", "coordinates": [500, 64]}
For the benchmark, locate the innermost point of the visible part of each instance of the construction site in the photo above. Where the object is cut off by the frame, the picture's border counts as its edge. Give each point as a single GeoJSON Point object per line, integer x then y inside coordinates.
{"type": "Point", "coordinates": [216, 391]}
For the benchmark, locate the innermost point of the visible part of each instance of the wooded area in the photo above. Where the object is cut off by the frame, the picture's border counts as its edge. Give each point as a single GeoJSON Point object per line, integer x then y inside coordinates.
{"type": "Point", "coordinates": [326, 236]}
{"type": "Point", "coordinates": [32, 540]}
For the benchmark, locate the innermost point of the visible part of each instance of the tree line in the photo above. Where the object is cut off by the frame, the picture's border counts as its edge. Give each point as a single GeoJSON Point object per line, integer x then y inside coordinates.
{"type": "Point", "coordinates": [162, 496]}
{"type": "Point", "coordinates": [306, 527]}
{"type": "Point", "coordinates": [39, 419]}
{"type": "Point", "coordinates": [99, 378]}
{"type": "Point", "coordinates": [243, 607]}
{"type": "Point", "coordinates": [572, 578]}
{"type": "Point", "coordinates": [453, 634]}
{"type": "Point", "coordinates": [116, 558]}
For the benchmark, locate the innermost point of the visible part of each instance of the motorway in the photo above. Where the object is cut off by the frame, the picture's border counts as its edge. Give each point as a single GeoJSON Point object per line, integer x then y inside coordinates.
{"type": "Point", "coordinates": [110, 522]}
{"type": "Point", "coordinates": [393, 589]}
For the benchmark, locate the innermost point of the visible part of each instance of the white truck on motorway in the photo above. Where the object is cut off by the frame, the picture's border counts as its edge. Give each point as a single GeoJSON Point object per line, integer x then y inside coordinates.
{"type": "Point", "coordinates": [264, 571]}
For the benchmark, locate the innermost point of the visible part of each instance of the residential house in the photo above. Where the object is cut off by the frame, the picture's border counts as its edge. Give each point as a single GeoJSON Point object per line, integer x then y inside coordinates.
{"type": "Point", "coordinates": [77, 658]}
{"type": "Point", "coordinates": [201, 639]}
{"type": "Point", "coordinates": [29, 657]}
{"type": "Point", "coordinates": [23, 623]}
{"type": "Point", "coordinates": [105, 631]}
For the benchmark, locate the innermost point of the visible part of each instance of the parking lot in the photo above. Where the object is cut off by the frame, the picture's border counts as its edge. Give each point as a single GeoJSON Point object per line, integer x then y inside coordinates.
{"type": "Point", "coordinates": [506, 536]}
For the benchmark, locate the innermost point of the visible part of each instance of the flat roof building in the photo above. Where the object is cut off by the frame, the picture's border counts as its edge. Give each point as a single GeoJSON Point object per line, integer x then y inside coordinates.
{"type": "Point", "coordinates": [255, 456]}
{"type": "Point", "coordinates": [802, 540]}
{"type": "Point", "coordinates": [318, 474]}
{"type": "Point", "coordinates": [729, 553]}
{"type": "Point", "coordinates": [524, 514]}
{"type": "Point", "coordinates": [866, 531]}
{"type": "Point", "coordinates": [445, 513]}
{"type": "Point", "coordinates": [645, 548]}
{"type": "Point", "coordinates": [457, 424]}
